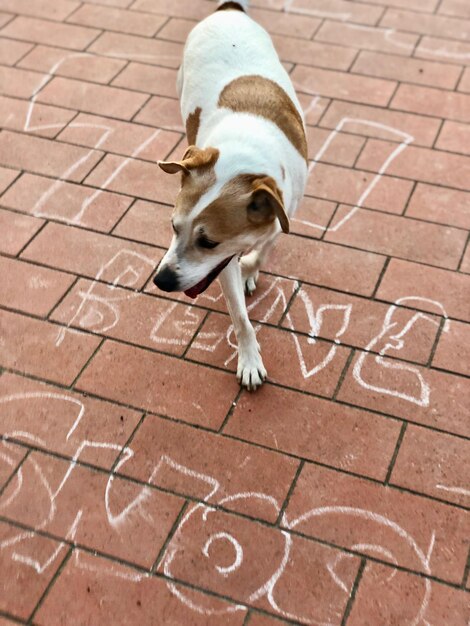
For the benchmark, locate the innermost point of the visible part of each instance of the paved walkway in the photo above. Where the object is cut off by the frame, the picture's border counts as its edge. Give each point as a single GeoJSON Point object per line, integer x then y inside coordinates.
{"type": "Point", "coordinates": [138, 486]}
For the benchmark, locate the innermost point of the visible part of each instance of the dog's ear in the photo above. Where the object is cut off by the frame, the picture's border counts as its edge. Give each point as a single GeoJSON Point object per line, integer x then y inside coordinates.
{"type": "Point", "coordinates": [193, 159]}
{"type": "Point", "coordinates": [266, 203]}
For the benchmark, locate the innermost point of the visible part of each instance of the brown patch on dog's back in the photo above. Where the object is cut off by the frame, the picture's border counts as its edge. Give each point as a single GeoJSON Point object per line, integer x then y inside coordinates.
{"type": "Point", "coordinates": [261, 96]}
{"type": "Point", "coordinates": [230, 6]}
{"type": "Point", "coordinates": [192, 125]}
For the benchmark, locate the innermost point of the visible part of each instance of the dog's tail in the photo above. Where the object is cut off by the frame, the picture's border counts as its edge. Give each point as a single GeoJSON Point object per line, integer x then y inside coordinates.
{"type": "Point", "coordinates": [238, 5]}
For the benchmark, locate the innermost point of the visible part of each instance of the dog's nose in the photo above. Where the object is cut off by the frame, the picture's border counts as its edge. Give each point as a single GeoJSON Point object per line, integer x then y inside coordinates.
{"type": "Point", "coordinates": [166, 279]}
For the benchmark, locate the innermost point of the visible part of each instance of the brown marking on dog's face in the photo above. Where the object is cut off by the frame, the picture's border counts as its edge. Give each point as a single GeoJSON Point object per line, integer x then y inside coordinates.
{"type": "Point", "coordinates": [261, 96]}
{"type": "Point", "coordinates": [247, 203]}
{"type": "Point", "coordinates": [198, 176]}
{"type": "Point", "coordinates": [192, 126]}
{"type": "Point", "coordinates": [230, 6]}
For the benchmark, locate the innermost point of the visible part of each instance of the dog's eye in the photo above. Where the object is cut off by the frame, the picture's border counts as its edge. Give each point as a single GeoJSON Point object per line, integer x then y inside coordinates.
{"type": "Point", "coordinates": [175, 230]}
{"type": "Point", "coordinates": [204, 242]}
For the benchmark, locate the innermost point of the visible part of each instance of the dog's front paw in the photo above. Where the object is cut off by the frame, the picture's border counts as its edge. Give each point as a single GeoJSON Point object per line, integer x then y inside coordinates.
{"type": "Point", "coordinates": [251, 372]}
{"type": "Point", "coordinates": [250, 284]}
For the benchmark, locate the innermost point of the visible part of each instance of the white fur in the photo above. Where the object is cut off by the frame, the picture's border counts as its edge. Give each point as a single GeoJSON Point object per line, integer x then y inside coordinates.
{"type": "Point", "coordinates": [225, 46]}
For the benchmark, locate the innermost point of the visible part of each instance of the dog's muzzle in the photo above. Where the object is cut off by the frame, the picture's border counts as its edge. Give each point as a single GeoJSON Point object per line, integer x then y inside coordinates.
{"type": "Point", "coordinates": [166, 279]}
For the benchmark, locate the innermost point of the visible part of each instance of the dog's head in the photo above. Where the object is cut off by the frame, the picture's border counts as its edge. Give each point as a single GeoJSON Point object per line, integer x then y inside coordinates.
{"type": "Point", "coordinates": [214, 219]}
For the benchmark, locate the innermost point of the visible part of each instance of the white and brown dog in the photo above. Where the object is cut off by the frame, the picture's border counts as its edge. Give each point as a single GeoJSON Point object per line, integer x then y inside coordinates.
{"type": "Point", "coordinates": [244, 172]}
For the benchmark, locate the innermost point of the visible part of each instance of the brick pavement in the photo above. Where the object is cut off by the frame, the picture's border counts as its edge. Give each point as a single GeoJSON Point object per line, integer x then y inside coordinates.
{"type": "Point", "coordinates": [138, 485]}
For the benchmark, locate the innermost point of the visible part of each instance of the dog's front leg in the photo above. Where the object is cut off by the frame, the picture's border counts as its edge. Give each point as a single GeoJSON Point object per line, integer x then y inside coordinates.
{"type": "Point", "coordinates": [250, 371]}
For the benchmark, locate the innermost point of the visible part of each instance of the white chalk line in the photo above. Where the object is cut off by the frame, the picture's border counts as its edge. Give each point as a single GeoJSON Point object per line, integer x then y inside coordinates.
{"type": "Point", "coordinates": [406, 141]}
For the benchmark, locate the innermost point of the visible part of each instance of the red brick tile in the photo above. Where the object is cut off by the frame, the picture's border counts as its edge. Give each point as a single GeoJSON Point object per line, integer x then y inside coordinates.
{"type": "Point", "coordinates": [158, 384]}
{"type": "Point", "coordinates": [120, 137]}
{"type": "Point", "coordinates": [338, 9]}
{"type": "Point", "coordinates": [60, 62]}
{"type": "Point", "coordinates": [437, 204]}
{"type": "Point", "coordinates": [122, 4]}
{"type": "Point", "coordinates": [455, 138]}
{"type": "Point", "coordinates": [92, 98]}
{"type": "Point", "coordinates": [258, 619]}
{"type": "Point", "coordinates": [48, 33]}
{"type": "Point", "coordinates": [366, 38]}
{"type": "Point", "coordinates": [398, 236]}
{"type": "Point", "coordinates": [65, 422]}
{"type": "Point", "coordinates": [31, 288]}
{"type": "Point", "coordinates": [453, 350]}
{"type": "Point", "coordinates": [42, 120]}
{"type": "Point", "coordinates": [304, 590]}
{"type": "Point", "coordinates": [216, 469]}
{"type": "Point", "coordinates": [28, 563]}
{"type": "Point", "coordinates": [387, 596]}
{"type": "Point", "coordinates": [421, 395]}
{"type": "Point", "coordinates": [30, 345]}
{"type": "Point", "coordinates": [7, 176]}
{"type": "Point", "coordinates": [312, 217]}
{"type": "Point", "coordinates": [289, 24]}
{"type": "Point", "coordinates": [326, 264]}
{"type": "Point", "coordinates": [436, 25]}
{"type": "Point", "coordinates": [389, 194]}
{"type": "Point", "coordinates": [343, 86]}
{"type": "Point", "coordinates": [197, 10]}
{"type": "Point", "coordinates": [160, 81]}
{"type": "Point", "coordinates": [447, 104]}
{"type": "Point", "coordinates": [316, 429]}
{"type": "Point", "coordinates": [135, 178]}
{"type": "Point", "coordinates": [385, 124]}
{"type": "Point", "coordinates": [407, 70]}
{"type": "Point", "coordinates": [19, 83]}
{"type": "Point", "coordinates": [304, 365]}
{"type": "Point", "coordinates": [11, 456]}
{"type": "Point", "coordinates": [148, 222]}
{"type": "Point", "coordinates": [314, 53]}
{"type": "Point", "coordinates": [5, 18]}
{"type": "Point", "coordinates": [357, 321]}
{"type": "Point", "coordinates": [16, 230]}
{"type": "Point", "coordinates": [415, 5]}
{"type": "Point", "coordinates": [177, 29]}
{"type": "Point", "coordinates": [400, 528]}
{"type": "Point", "coordinates": [433, 463]}
{"type": "Point", "coordinates": [457, 8]}
{"type": "Point", "coordinates": [448, 50]}
{"type": "Point", "coordinates": [90, 254]}
{"type": "Point", "coordinates": [66, 202]}
{"type": "Point", "coordinates": [99, 591]}
{"type": "Point", "coordinates": [46, 157]}
{"type": "Point", "coordinates": [343, 149]}
{"type": "Point", "coordinates": [12, 51]}
{"type": "Point", "coordinates": [423, 164]}
{"type": "Point", "coordinates": [57, 10]}
{"type": "Point", "coordinates": [109, 18]}
{"type": "Point", "coordinates": [428, 284]}
{"type": "Point", "coordinates": [143, 49]}
{"type": "Point", "coordinates": [112, 511]}
{"type": "Point", "coordinates": [465, 267]}
{"type": "Point", "coordinates": [162, 112]}
{"type": "Point", "coordinates": [139, 319]}
{"type": "Point", "coordinates": [313, 107]}
{"type": "Point", "coordinates": [464, 84]}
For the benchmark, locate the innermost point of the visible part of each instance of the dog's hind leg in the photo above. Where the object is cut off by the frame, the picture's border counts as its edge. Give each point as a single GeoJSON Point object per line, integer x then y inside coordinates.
{"type": "Point", "coordinates": [251, 262]}
{"type": "Point", "coordinates": [250, 371]}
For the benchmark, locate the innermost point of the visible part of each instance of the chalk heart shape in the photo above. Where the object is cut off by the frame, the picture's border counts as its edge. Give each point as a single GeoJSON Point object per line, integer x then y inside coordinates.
{"type": "Point", "coordinates": [227, 555]}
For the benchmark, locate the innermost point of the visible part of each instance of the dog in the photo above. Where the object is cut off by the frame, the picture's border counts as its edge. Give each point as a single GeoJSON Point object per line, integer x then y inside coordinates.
{"type": "Point", "coordinates": [244, 171]}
